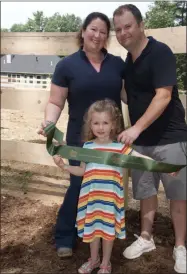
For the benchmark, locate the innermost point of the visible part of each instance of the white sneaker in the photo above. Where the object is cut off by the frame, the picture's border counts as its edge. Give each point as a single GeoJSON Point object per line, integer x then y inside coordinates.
{"type": "Point", "coordinates": [179, 255]}
{"type": "Point", "coordinates": [137, 248]}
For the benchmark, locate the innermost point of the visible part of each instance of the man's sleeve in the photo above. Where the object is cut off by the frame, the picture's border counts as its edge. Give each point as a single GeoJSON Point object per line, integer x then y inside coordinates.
{"type": "Point", "coordinates": [60, 76]}
{"type": "Point", "coordinates": [163, 67]}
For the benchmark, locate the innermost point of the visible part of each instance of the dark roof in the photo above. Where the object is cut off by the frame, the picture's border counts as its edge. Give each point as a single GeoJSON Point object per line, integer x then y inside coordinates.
{"type": "Point", "coordinates": [32, 64]}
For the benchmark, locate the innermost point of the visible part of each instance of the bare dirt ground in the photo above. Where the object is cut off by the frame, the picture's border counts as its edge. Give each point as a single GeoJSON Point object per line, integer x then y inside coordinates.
{"type": "Point", "coordinates": [28, 216]}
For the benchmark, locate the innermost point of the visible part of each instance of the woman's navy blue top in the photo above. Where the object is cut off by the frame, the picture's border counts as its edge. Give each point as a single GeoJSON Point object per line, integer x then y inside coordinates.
{"type": "Point", "coordinates": [86, 85]}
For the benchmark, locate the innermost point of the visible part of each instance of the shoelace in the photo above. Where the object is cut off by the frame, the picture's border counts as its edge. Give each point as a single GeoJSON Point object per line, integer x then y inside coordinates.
{"type": "Point", "coordinates": [139, 240]}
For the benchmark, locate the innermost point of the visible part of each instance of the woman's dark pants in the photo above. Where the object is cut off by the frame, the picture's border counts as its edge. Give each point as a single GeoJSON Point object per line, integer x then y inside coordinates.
{"type": "Point", "coordinates": [65, 230]}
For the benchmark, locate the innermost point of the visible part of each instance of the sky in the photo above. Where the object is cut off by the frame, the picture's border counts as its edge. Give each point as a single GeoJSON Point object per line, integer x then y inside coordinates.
{"type": "Point", "coordinates": [19, 12]}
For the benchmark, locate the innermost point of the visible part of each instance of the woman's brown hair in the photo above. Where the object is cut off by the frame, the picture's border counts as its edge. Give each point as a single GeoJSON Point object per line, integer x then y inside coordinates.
{"type": "Point", "coordinates": [92, 16]}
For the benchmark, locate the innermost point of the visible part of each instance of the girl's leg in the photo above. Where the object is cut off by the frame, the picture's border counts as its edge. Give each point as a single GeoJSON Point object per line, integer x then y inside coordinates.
{"type": "Point", "coordinates": [94, 261]}
{"type": "Point", "coordinates": [107, 250]}
{"type": "Point", "coordinates": [94, 250]}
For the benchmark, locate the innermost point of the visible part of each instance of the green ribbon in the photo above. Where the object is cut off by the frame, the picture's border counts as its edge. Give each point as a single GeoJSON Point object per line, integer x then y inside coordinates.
{"type": "Point", "coordinates": [102, 157]}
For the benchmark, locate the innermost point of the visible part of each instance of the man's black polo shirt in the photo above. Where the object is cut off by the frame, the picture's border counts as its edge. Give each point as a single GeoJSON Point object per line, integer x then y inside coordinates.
{"type": "Point", "coordinates": [86, 85]}
{"type": "Point", "coordinates": [155, 68]}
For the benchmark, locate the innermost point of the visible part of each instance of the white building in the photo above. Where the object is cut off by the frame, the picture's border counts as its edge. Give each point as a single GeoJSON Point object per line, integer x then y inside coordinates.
{"type": "Point", "coordinates": [27, 71]}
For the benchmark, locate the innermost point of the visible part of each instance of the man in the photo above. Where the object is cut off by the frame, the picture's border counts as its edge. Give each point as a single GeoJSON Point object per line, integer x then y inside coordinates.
{"type": "Point", "coordinates": [158, 128]}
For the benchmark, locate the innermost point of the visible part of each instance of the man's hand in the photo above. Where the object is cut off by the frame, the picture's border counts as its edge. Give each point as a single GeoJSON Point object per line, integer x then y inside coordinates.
{"type": "Point", "coordinates": [129, 135]}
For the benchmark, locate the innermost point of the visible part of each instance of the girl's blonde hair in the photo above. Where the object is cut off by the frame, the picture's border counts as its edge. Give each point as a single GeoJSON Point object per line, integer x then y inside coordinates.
{"type": "Point", "coordinates": [112, 109]}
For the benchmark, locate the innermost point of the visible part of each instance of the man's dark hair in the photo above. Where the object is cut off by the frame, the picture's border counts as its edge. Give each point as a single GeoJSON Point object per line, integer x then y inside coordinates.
{"type": "Point", "coordinates": [129, 7]}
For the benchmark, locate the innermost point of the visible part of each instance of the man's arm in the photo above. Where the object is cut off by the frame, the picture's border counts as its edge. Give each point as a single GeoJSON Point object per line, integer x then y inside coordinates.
{"type": "Point", "coordinates": [153, 112]}
{"type": "Point", "coordinates": [155, 109]}
{"type": "Point", "coordinates": [163, 67]}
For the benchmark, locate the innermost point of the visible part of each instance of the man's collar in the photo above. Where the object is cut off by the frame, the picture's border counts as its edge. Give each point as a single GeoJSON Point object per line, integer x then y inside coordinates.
{"type": "Point", "coordinates": [145, 50]}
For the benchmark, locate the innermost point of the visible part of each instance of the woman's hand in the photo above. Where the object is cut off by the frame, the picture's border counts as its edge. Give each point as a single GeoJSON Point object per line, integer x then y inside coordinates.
{"type": "Point", "coordinates": [43, 126]}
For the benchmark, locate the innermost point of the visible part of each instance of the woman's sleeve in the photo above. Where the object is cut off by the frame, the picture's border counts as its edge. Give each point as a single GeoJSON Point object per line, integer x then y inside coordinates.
{"type": "Point", "coordinates": [61, 74]}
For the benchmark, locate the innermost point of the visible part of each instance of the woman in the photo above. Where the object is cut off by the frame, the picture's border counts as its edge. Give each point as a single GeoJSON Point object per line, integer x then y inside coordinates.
{"type": "Point", "coordinates": [88, 75]}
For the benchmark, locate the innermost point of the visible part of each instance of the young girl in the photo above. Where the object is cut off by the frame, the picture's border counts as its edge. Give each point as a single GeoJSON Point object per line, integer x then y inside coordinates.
{"type": "Point", "coordinates": [101, 202]}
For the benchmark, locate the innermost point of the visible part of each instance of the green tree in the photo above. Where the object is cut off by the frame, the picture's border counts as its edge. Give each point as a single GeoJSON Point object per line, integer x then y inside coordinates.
{"type": "Point", "coordinates": [55, 23]}
{"type": "Point", "coordinates": [181, 12]}
{"type": "Point", "coordinates": [64, 23]}
{"type": "Point", "coordinates": [163, 14]}
{"type": "Point", "coordinates": [70, 23]}
{"type": "Point", "coordinates": [38, 23]}
{"type": "Point", "coordinates": [18, 28]}
{"type": "Point", "coordinates": [4, 30]}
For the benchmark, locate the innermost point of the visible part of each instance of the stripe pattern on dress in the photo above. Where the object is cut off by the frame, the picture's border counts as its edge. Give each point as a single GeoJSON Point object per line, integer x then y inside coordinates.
{"type": "Point", "coordinates": [101, 202]}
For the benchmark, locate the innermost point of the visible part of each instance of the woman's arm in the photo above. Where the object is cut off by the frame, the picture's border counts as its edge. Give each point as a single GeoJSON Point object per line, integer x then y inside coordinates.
{"type": "Point", "coordinates": [55, 105]}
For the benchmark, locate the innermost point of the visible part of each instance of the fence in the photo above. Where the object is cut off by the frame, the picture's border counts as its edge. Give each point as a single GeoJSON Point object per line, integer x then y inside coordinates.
{"type": "Point", "coordinates": [24, 83]}
{"type": "Point", "coordinates": [35, 100]}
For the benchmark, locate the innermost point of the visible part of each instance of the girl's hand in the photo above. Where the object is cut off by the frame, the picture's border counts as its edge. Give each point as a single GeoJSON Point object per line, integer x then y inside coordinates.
{"type": "Point", "coordinates": [59, 162]}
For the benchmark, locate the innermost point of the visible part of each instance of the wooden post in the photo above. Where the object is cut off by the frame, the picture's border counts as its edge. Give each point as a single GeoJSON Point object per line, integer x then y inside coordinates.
{"type": "Point", "coordinates": [126, 172]}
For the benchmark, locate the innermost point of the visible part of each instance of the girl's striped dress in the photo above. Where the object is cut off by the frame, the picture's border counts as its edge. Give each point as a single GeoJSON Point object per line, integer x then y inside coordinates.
{"type": "Point", "coordinates": [101, 201]}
